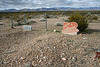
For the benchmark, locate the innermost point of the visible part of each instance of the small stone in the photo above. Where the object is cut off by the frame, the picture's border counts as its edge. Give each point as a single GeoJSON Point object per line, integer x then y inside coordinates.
{"type": "Point", "coordinates": [42, 19]}
{"type": "Point", "coordinates": [80, 34]}
{"type": "Point", "coordinates": [54, 47]}
{"type": "Point", "coordinates": [44, 57]}
{"type": "Point", "coordinates": [40, 60]}
{"type": "Point", "coordinates": [33, 63]}
{"type": "Point", "coordinates": [1, 23]}
{"type": "Point", "coordinates": [9, 51]}
{"type": "Point", "coordinates": [99, 50]}
{"type": "Point", "coordinates": [54, 30]}
{"type": "Point", "coordinates": [64, 58]}
{"type": "Point", "coordinates": [28, 64]}
{"type": "Point", "coordinates": [74, 59]}
{"type": "Point", "coordinates": [45, 29]}
{"type": "Point", "coordinates": [21, 58]}
{"type": "Point", "coordinates": [97, 55]}
{"type": "Point", "coordinates": [39, 40]}
{"type": "Point", "coordinates": [62, 54]}
{"type": "Point", "coordinates": [48, 47]}
{"type": "Point", "coordinates": [85, 38]}
{"type": "Point", "coordinates": [4, 62]}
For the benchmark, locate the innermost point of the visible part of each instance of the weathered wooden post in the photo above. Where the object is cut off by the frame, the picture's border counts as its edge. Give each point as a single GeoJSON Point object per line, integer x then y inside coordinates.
{"type": "Point", "coordinates": [24, 19]}
{"type": "Point", "coordinates": [11, 22]}
{"type": "Point", "coordinates": [46, 21]}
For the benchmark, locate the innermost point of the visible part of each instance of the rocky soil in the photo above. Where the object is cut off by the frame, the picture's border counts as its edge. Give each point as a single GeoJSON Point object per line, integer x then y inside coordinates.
{"type": "Point", "coordinates": [40, 48]}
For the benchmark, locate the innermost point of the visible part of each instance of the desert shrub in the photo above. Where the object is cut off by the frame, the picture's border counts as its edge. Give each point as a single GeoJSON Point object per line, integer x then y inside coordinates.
{"type": "Point", "coordinates": [58, 24]}
{"type": "Point", "coordinates": [43, 19]}
{"type": "Point", "coordinates": [7, 17]}
{"type": "Point", "coordinates": [63, 19]}
{"type": "Point", "coordinates": [89, 14]}
{"type": "Point", "coordinates": [29, 17]}
{"type": "Point", "coordinates": [15, 24]}
{"type": "Point", "coordinates": [55, 16]}
{"type": "Point", "coordinates": [92, 17]}
{"type": "Point", "coordinates": [18, 20]}
{"type": "Point", "coordinates": [95, 17]}
{"type": "Point", "coordinates": [80, 20]}
{"type": "Point", "coordinates": [30, 22]}
{"type": "Point", "coordinates": [66, 20]}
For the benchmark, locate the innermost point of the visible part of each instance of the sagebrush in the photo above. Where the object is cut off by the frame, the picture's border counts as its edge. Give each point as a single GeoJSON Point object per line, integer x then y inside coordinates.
{"type": "Point", "coordinates": [80, 20]}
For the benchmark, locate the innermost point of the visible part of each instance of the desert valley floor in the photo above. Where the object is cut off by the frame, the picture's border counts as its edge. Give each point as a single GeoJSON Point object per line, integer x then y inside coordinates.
{"type": "Point", "coordinates": [40, 48]}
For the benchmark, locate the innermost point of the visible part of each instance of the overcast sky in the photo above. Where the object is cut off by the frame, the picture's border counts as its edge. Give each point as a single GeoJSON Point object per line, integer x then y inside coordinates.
{"type": "Point", "coordinates": [33, 4]}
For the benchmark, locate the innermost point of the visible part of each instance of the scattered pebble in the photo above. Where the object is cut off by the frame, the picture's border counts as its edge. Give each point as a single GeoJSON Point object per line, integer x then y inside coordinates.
{"type": "Point", "coordinates": [33, 63]}
{"type": "Point", "coordinates": [64, 58]}
{"type": "Point", "coordinates": [21, 58]}
{"type": "Point", "coordinates": [44, 57]}
{"type": "Point", "coordinates": [54, 30]}
{"type": "Point", "coordinates": [54, 47]}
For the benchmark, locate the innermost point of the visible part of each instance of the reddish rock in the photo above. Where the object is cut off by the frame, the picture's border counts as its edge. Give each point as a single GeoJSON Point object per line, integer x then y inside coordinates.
{"type": "Point", "coordinates": [97, 55]}
{"type": "Point", "coordinates": [70, 28]}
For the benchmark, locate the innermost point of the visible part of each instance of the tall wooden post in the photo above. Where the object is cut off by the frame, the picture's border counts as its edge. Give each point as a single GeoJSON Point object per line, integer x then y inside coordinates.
{"type": "Point", "coordinates": [24, 19]}
{"type": "Point", "coordinates": [46, 21]}
{"type": "Point", "coordinates": [11, 22]}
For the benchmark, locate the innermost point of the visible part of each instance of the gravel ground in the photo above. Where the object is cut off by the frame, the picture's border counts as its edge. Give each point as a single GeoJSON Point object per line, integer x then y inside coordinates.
{"type": "Point", "coordinates": [39, 48]}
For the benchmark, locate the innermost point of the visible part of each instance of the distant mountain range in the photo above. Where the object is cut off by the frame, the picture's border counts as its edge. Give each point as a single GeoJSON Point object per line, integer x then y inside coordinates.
{"type": "Point", "coordinates": [52, 9]}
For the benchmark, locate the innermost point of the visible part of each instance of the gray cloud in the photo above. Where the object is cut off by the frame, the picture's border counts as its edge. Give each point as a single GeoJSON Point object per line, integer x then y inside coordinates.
{"type": "Point", "coordinates": [20, 4]}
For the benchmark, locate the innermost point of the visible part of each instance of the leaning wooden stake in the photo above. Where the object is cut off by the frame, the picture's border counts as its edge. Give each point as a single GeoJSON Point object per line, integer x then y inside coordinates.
{"type": "Point", "coordinates": [24, 19]}
{"type": "Point", "coordinates": [12, 23]}
{"type": "Point", "coordinates": [46, 21]}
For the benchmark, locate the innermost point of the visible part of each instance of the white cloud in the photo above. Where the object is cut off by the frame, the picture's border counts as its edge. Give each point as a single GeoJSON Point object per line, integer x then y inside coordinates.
{"type": "Point", "coordinates": [20, 4]}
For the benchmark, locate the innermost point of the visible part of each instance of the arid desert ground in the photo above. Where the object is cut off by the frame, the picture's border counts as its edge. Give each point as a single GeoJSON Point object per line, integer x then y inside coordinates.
{"type": "Point", "coordinates": [40, 48]}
